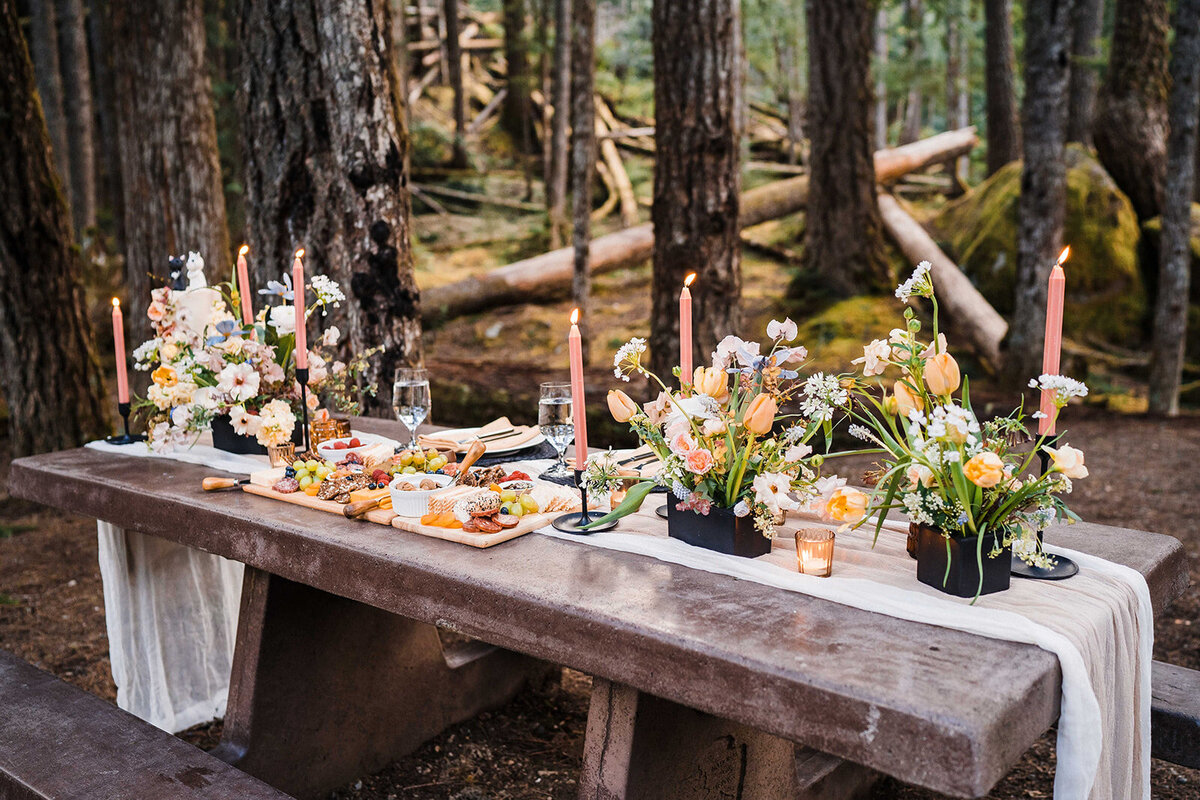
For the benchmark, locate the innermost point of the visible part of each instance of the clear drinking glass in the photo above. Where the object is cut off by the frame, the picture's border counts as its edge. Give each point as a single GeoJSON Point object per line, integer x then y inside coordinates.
{"type": "Point", "coordinates": [410, 399]}
{"type": "Point", "coordinates": [556, 423]}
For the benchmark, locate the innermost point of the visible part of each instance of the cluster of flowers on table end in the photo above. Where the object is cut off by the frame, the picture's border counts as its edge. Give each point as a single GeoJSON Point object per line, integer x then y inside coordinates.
{"type": "Point", "coordinates": [723, 440]}
{"type": "Point", "coordinates": [204, 362]}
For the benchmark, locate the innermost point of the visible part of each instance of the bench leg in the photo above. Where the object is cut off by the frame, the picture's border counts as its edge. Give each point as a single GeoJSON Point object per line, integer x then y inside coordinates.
{"type": "Point", "coordinates": [641, 747]}
{"type": "Point", "coordinates": [325, 689]}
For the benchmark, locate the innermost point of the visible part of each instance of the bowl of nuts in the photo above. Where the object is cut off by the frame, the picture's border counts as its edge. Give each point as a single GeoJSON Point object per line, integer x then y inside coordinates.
{"type": "Point", "coordinates": [411, 493]}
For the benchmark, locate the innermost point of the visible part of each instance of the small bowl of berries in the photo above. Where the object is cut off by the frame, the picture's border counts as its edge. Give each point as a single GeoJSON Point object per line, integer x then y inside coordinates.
{"type": "Point", "coordinates": [337, 449]}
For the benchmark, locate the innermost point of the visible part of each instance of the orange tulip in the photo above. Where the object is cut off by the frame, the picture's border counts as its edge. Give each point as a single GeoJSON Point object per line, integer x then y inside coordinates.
{"type": "Point", "coordinates": [907, 400]}
{"type": "Point", "coordinates": [941, 374]}
{"type": "Point", "coordinates": [712, 382]}
{"type": "Point", "coordinates": [621, 405]}
{"type": "Point", "coordinates": [760, 416]}
{"type": "Point", "coordinates": [164, 376]}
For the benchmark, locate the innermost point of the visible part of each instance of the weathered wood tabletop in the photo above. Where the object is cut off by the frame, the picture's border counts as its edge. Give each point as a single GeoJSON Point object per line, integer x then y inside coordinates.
{"type": "Point", "coordinates": [871, 689]}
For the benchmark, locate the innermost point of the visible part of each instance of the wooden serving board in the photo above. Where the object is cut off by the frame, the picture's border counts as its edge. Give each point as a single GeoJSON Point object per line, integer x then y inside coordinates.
{"type": "Point", "coordinates": [528, 523]}
{"type": "Point", "coordinates": [380, 515]}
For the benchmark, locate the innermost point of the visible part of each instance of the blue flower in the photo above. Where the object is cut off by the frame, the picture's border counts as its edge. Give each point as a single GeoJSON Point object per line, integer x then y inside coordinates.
{"type": "Point", "coordinates": [283, 290]}
{"type": "Point", "coordinates": [226, 329]}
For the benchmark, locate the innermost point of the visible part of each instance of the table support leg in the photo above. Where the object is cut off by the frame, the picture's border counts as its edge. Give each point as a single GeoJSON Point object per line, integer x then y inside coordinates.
{"type": "Point", "coordinates": [325, 689]}
{"type": "Point", "coordinates": [641, 747]}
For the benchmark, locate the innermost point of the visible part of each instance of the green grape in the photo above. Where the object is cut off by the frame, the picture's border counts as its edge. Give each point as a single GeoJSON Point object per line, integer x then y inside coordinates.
{"type": "Point", "coordinates": [529, 503]}
{"type": "Point", "coordinates": [305, 481]}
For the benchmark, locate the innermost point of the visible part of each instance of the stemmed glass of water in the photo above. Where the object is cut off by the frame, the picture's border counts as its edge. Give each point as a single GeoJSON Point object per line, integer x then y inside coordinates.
{"type": "Point", "coordinates": [410, 399]}
{"type": "Point", "coordinates": [556, 424]}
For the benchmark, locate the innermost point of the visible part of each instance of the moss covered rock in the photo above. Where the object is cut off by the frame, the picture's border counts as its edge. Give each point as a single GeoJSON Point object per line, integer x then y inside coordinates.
{"type": "Point", "coordinates": [1106, 295]}
{"type": "Point", "coordinates": [837, 333]}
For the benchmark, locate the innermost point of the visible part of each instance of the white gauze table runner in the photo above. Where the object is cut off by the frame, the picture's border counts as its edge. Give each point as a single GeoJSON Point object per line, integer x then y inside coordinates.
{"type": "Point", "coordinates": [171, 610]}
{"type": "Point", "coordinates": [1099, 624]}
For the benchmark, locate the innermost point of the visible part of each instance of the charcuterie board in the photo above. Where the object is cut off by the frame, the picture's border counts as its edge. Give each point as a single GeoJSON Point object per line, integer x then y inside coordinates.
{"type": "Point", "coordinates": [383, 516]}
{"type": "Point", "coordinates": [528, 523]}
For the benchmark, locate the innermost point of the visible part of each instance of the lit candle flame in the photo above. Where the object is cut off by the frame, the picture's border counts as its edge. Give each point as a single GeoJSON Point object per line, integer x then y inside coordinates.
{"type": "Point", "coordinates": [688, 280]}
{"type": "Point", "coordinates": [300, 253]}
{"type": "Point", "coordinates": [575, 316]}
{"type": "Point", "coordinates": [116, 303]}
{"type": "Point", "coordinates": [1063, 256]}
{"type": "Point", "coordinates": [243, 250]}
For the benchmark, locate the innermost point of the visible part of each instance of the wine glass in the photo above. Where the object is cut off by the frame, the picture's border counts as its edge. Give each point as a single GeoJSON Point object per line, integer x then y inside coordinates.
{"type": "Point", "coordinates": [556, 424]}
{"type": "Point", "coordinates": [410, 400]}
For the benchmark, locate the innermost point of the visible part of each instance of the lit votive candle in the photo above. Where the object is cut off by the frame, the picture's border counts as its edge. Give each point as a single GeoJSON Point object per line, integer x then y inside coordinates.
{"type": "Point", "coordinates": [814, 551]}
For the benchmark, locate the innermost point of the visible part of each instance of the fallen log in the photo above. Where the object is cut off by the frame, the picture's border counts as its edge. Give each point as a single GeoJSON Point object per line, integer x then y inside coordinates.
{"type": "Point", "coordinates": [620, 178]}
{"type": "Point", "coordinates": [967, 308]}
{"type": "Point", "coordinates": [548, 275]}
{"type": "Point", "coordinates": [474, 197]}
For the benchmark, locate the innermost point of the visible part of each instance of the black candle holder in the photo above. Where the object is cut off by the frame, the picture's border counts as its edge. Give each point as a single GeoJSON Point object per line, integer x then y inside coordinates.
{"type": "Point", "coordinates": [1063, 567]}
{"type": "Point", "coordinates": [126, 437]}
{"type": "Point", "coordinates": [575, 521]}
{"type": "Point", "coordinates": [302, 378]}
{"type": "Point", "coordinates": [662, 511]}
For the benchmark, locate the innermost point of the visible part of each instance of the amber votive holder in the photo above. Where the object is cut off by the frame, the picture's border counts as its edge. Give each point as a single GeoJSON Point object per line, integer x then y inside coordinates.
{"type": "Point", "coordinates": [322, 431]}
{"type": "Point", "coordinates": [281, 454]}
{"type": "Point", "coordinates": [814, 551]}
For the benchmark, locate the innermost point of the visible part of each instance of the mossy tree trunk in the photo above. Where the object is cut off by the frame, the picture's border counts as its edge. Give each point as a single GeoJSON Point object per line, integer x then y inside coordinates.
{"type": "Point", "coordinates": [697, 175]}
{"type": "Point", "coordinates": [1171, 308]}
{"type": "Point", "coordinates": [1131, 117]}
{"type": "Point", "coordinates": [325, 147]}
{"type": "Point", "coordinates": [454, 54]}
{"type": "Point", "coordinates": [47, 64]}
{"type": "Point", "coordinates": [77, 85]}
{"type": "Point", "coordinates": [1087, 23]}
{"type": "Point", "coordinates": [583, 155]}
{"type": "Point", "coordinates": [880, 66]}
{"type": "Point", "coordinates": [51, 378]}
{"type": "Point", "coordinates": [516, 116]}
{"type": "Point", "coordinates": [556, 186]}
{"type": "Point", "coordinates": [910, 126]}
{"type": "Point", "coordinates": [1042, 206]}
{"type": "Point", "coordinates": [844, 236]}
{"type": "Point", "coordinates": [1003, 126]}
{"type": "Point", "coordinates": [173, 199]}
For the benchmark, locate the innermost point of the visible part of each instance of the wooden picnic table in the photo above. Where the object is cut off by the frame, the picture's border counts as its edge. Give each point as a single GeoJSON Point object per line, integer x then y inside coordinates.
{"type": "Point", "coordinates": [338, 667]}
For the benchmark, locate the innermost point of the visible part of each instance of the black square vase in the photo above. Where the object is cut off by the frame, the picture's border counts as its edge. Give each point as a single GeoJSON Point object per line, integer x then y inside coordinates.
{"type": "Point", "coordinates": [227, 439]}
{"type": "Point", "coordinates": [962, 580]}
{"type": "Point", "coordinates": [720, 529]}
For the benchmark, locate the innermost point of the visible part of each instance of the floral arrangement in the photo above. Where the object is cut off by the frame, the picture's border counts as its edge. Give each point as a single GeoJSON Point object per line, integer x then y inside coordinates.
{"type": "Point", "coordinates": [204, 363]}
{"type": "Point", "coordinates": [943, 467]}
{"type": "Point", "coordinates": [715, 436]}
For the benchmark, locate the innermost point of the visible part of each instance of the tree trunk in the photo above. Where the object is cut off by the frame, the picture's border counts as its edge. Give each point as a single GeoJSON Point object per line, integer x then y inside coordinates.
{"type": "Point", "coordinates": [881, 62]}
{"type": "Point", "coordinates": [170, 173]}
{"type": "Point", "coordinates": [108, 165]}
{"type": "Point", "coordinates": [697, 176]}
{"type": "Point", "coordinates": [910, 127]}
{"type": "Point", "coordinates": [556, 187]}
{"type": "Point", "coordinates": [844, 237]}
{"type": "Point", "coordinates": [43, 45]}
{"type": "Point", "coordinates": [454, 55]}
{"type": "Point", "coordinates": [1003, 127]}
{"type": "Point", "coordinates": [515, 116]}
{"type": "Point", "coordinates": [1171, 307]}
{"type": "Point", "coordinates": [326, 168]}
{"type": "Point", "coordinates": [1042, 206]}
{"type": "Point", "coordinates": [583, 154]}
{"type": "Point", "coordinates": [1131, 115]}
{"type": "Point", "coordinates": [77, 85]}
{"type": "Point", "coordinates": [1087, 24]}
{"type": "Point", "coordinates": [957, 94]}
{"type": "Point", "coordinates": [51, 378]}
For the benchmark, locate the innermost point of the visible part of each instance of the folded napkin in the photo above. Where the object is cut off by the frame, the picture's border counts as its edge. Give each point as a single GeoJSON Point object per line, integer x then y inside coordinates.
{"type": "Point", "coordinates": [520, 435]}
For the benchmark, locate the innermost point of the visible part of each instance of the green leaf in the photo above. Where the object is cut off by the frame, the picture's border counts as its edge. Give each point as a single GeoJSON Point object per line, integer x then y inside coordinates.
{"type": "Point", "coordinates": [632, 502]}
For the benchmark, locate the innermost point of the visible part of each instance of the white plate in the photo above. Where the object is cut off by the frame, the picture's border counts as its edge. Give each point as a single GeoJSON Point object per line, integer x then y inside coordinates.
{"type": "Point", "coordinates": [327, 452]}
{"type": "Point", "coordinates": [463, 433]}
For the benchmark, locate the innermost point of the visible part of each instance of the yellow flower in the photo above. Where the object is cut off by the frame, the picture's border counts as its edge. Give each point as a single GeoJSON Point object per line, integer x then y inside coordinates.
{"type": "Point", "coordinates": [907, 400]}
{"type": "Point", "coordinates": [847, 504]}
{"type": "Point", "coordinates": [712, 382]}
{"type": "Point", "coordinates": [985, 469]}
{"type": "Point", "coordinates": [1068, 460]}
{"type": "Point", "coordinates": [621, 406]}
{"type": "Point", "coordinates": [164, 376]}
{"type": "Point", "coordinates": [760, 416]}
{"type": "Point", "coordinates": [941, 374]}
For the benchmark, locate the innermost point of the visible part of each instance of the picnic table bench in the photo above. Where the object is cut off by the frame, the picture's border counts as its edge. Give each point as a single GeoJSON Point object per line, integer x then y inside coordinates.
{"type": "Point", "coordinates": [60, 742]}
{"type": "Point", "coordinates": [701, 681]}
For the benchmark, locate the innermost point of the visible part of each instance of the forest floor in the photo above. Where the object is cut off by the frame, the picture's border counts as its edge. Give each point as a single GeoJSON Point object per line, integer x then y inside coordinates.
{"type": "Point", "coordinates": [52, 614]}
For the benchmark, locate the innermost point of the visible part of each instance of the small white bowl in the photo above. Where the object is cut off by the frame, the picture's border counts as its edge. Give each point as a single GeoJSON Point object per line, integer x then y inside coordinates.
{"type": "Point", "coordinates": [327, 451]}
{"type": "Point", "coordinates": [415, 503]}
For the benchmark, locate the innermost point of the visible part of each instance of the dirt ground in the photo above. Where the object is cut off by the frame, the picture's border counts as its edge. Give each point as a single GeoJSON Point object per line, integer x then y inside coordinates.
{"type": "Point", "coordinates": [52, 614]}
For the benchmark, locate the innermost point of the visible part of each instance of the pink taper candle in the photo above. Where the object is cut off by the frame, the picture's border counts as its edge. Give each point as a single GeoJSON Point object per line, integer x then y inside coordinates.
{"type": "Point", "coordinates": [243, 275]}
{"type": "Point", "coordinates": [578, 402]}
{"type": "Point", "coordinates": [301, 317]}
{"type": "Point", "coordinates": [685, 330]}
{"type": "Point", "coordinates": [119, 346]}
{"type": "Point", "coordinates": [1052, 349]}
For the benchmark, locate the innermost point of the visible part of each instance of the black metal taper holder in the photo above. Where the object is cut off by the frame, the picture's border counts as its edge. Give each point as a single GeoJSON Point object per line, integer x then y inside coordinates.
{"type": "Point", "coordinates": [302, 377]}
{"type": "Point", "coordinates": [126, 437]}
{"type": "Point", "coordinates": [1063, 567]}
{"type": "Point", "coordinates": [574, 521]}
